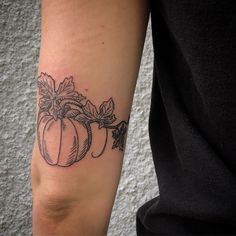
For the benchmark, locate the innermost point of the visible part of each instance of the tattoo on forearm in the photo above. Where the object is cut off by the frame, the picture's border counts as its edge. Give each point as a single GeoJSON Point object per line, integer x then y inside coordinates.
{"type": "Point", "coordinates": [68, 115]}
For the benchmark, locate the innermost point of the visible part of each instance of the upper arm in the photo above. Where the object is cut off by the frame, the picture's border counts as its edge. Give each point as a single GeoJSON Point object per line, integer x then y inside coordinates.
{"type": "Point", "coordinates": [89, 61]}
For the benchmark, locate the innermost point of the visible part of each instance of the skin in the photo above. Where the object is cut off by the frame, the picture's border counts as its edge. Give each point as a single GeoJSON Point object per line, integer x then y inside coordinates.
{"type": "Point", "coordinates": [100, 44]}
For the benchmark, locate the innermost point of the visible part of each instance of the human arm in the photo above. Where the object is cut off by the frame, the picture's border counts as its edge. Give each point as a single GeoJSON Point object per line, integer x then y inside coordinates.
{"type": "Point", "coordinates": [96, 46]}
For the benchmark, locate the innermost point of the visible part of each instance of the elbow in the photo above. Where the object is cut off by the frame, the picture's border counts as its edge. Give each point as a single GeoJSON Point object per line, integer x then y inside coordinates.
{"type": "Point", "coordinates": [51, 203]}
{"type": "Point", "coordinates": [52, 206]}
{"type": "Point", "coordinates": [52, 212]}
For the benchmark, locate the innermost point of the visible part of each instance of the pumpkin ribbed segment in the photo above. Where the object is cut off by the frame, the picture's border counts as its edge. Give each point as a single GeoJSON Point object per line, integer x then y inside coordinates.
{"type": "Point", "coordinates": [63, 141]}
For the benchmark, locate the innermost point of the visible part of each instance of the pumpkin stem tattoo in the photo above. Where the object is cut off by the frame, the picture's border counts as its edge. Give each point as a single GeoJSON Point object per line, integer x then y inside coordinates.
{"type": "Point", "coordinates": [68, 113]}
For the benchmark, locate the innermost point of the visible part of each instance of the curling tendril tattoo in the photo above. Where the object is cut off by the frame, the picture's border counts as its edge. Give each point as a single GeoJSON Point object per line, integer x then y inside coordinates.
{"type": "Point", "coordinates": [70, 115]}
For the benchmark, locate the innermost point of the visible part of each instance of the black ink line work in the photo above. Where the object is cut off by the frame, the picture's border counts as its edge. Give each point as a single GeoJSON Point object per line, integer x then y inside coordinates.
{"type": "Point", "coordinates": [68, 115]}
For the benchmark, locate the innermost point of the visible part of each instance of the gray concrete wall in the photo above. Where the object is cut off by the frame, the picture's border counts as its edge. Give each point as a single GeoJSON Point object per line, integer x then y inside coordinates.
{"type": "Point", "coordinates": [19, 44]}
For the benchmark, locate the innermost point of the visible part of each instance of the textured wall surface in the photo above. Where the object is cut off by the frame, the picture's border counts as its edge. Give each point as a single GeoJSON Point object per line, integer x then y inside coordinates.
{"type": "Point", "coordinates": [19, 44]}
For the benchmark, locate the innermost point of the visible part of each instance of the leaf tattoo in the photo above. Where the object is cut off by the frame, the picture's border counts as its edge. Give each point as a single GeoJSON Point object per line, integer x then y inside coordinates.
{"type": "Point", "coordinates": [90, 110]}
{"type": "Point", "coordinates": [46, 85]}
{"type": "Point", "coordinates": [66, 90]}
{"type": "Point", "coordinates": [51, 98]}
{"type": "Point", "coordinates": [67, 111]}
{"type": "Point", "coordinates": [119, 135]}
{"type": "Point", "coordinates": [106, 116]}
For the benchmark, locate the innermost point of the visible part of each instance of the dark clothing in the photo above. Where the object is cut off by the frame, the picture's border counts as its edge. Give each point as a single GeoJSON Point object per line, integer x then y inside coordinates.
{"type": "Point", "coordinates": [193, 119]}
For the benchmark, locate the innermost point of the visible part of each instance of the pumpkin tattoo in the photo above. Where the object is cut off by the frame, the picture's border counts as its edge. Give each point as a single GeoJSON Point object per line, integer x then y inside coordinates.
{"type": "Point", "coordinates": [68, 115]}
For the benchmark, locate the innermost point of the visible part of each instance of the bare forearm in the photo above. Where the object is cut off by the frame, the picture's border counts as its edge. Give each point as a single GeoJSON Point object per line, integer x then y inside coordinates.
{"type": "Point", "coordinates": [89, 60]}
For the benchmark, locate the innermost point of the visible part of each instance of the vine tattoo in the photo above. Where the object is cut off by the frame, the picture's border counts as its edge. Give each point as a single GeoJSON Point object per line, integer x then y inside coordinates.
{"type": "Point", "coordinates": [69, 115]}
